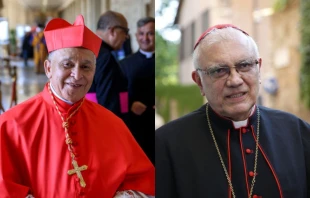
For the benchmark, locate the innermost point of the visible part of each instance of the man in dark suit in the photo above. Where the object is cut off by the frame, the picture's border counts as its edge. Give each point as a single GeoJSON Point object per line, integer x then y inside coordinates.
{"type": "Point", "coordinates": [139, 69]}
{"type": "Point", "coordinates": [110, 85]}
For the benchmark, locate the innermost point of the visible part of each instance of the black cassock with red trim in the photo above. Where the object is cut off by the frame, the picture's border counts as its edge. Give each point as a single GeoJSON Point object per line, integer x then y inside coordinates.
{"type": "Point", "coordinates": [188, 165]}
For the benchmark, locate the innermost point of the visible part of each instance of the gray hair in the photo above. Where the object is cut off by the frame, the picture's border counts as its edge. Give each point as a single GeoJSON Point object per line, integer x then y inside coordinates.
{"type": "Point", "coordinates": [109, 19]}
{"type": "Point", "coordinates": [217, 35]}
{"type": "Point", "coordinates": [144, 21]}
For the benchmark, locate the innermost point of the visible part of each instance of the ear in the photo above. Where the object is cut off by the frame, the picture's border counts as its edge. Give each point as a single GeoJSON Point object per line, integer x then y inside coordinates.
{"type": "Point", "coordinates": [260, 63]}
{"type": "Point", "coordinates": [48, 68]}
{"type": "Point", "coordinates": [259, 67]}
{"type": "Point", "coordinates": [196, 78]}
{"type": "Point", "coordinates": [112, 31]}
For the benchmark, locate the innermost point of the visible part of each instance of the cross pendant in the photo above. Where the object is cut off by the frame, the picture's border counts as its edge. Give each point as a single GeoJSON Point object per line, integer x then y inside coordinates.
{"type": "Point", "coordinates": [77, 170]}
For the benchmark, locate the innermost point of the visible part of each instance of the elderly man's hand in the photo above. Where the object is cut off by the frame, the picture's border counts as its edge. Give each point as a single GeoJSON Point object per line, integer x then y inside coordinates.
{"type": "Point", "coordinates": [138, 107]}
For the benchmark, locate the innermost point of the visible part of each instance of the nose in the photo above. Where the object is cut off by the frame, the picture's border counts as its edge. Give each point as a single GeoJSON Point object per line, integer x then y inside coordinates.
{"type": "Point", "coordinates": [145, 37]}
{"type": "Point", "coordinates": [234, 79]}
{"type": "Point", "coordinates": [76, 73]}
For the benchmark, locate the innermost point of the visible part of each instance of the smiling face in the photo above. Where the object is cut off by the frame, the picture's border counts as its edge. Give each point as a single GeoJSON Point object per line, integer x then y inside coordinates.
{"type": "Point", "coordinates": [232, 97]}
{"type": "Point", "coordinates": [146, 37]}
{"type": "Point", "coordinates": [71, 72]}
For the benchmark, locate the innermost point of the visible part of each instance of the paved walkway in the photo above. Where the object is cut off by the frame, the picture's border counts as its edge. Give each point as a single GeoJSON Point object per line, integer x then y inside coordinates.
{"type": "Point", "coordinates": [28, 82]}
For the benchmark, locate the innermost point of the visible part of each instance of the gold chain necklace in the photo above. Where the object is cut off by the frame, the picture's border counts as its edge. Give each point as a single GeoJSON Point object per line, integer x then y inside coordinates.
{"type": "Point", "coordinates": [65, 124]}
{"type": "Point", "coordinates": [222, 161]}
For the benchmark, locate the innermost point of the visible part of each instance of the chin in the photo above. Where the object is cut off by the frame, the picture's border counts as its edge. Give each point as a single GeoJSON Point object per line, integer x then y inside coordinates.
{"type": "Point", "coordinates": [242, 110]}
{"type": "Point", "coordinates": [73, 99]}
{"type": "Point", "coordinates": [147, 50]}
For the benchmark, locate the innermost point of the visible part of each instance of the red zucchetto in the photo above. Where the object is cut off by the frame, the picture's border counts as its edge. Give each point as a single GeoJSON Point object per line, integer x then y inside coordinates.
{"type": "Point", "coordinates": [219, 26]}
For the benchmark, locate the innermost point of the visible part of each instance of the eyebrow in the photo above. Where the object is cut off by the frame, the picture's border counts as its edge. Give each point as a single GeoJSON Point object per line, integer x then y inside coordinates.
{"type": "Point", "coordinates": [83, 61]}
{"type": "Point", "coordinates": [244, 61]}
{"type": "Point", "coordinates": [217, 65]}
{"type": "Point", "coordinates": [235, 64]}
{"type": "Point", "coordinates": [87, 62]}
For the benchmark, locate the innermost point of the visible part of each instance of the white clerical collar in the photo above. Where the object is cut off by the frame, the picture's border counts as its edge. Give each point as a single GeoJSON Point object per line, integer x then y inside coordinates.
{"type": "Point", "coordinates": [242, 123]}
{"type": "Point", "coordinates": [147, 54]}
{"type": "Point", "coordinates": [54, 92]}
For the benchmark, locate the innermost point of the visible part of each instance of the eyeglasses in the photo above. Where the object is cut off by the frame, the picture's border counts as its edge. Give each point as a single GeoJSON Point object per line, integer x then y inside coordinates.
{"type": "Point", "coordinates": [126, 30]}
{"type": "Point", "coordinates": [222, 72]}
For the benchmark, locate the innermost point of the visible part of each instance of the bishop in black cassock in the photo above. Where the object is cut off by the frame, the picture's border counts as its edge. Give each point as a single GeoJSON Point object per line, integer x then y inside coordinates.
{"type": "Point", "coordinates": [140, 72]}
{"type": "Point", "coordinates": [109, 83]}
{"type": "Point", "coordinates": [231, 147]}
{"type": "Point", "coordinates": [139, 69]}
{"type": "Point", "coordinates": [283, 162]}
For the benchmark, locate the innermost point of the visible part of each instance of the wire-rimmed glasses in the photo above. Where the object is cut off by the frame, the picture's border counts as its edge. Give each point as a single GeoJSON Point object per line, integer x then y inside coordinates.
{"type": "Point", "coordinates": [223, 71]}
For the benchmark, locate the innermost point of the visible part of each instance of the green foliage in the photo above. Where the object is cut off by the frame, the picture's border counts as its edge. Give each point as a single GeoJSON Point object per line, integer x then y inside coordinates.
{"type": "Point", "coordinates": [187, 97]}
{"type": "Point", "coordinates": [166, 64]}
{"type": "Point", "coordinates": [13, 43]}
{"type": "Point", "coordinates": [280, 5]}
{"type": "Point", "coordinates": [305, 51]}
{"type": "Point", "coordinates": [12, 36]}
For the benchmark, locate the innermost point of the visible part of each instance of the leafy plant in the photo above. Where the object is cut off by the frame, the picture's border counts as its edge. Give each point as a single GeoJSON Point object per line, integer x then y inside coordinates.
{"type": "Point", "coordinates": [186, 97]}
{"type": "Point", "coordinates": [280, 5]}
{"type": "Point", "coordinates": [305, 51]}
{"type": "Point", "coordinates": [166, 61]}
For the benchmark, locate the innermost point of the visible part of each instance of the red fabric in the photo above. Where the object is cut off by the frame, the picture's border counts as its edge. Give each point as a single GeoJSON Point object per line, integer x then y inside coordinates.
{"type": "Point", "coordinates": [219, 26]}
{"type": "Point", "coordinates": [61, 34]}
{"type": "Point", "coordinates": [34, 156]}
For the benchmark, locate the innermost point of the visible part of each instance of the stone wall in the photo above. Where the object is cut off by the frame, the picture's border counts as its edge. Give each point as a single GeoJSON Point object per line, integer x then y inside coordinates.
{"type": "Point", "coordinates": [286, 61]}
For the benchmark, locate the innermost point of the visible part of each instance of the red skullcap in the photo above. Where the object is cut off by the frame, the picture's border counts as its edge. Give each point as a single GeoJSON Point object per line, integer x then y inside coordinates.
{"type": "Point", "coordinates": [61, 34]}
{"type": "Point", "coordinates": [219, 26]}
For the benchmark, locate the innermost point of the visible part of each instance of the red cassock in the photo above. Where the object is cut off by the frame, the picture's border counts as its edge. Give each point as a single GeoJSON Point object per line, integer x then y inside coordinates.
{"type": "Point", "coordinates": [34, 158]}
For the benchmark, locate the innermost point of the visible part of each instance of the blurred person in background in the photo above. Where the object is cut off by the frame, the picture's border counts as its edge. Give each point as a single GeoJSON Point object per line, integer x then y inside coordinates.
{"type": "Point", "coordinates": [40, 49]}
{"type": "Point", "coordinates": [27, 49]}
{"type": "Point", "coordinates": [139, 69]}
{"type": "Point", "coordinates": [124, 51]}
{"type": "Point", "coordinates": [109, 87]}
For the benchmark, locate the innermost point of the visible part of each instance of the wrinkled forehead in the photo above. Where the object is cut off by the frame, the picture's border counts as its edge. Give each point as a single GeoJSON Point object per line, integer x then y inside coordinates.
{"type": "Point", "coordinates": [225, 35]}
{"type": "Point", "coordinates": [73, 53]}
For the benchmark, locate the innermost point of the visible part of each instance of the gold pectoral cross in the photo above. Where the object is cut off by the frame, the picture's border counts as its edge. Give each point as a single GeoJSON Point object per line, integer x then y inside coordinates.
{"type": "Point", "coordinates": [77, 170]}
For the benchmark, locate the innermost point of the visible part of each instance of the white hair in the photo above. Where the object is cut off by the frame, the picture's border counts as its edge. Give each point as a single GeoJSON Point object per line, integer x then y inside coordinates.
{"type": "Point", "coordinates": [218, 35]}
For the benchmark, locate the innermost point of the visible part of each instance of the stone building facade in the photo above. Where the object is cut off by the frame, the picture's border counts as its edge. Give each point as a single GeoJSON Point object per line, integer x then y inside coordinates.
{"type": "Point", "coordinates": [17, 13]}
{"type": "Point", "coordinates": [277, 36]}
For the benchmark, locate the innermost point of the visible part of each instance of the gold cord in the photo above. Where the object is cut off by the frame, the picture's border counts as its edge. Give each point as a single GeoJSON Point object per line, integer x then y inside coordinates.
{"type": "Point", "coordinates": [65, 123]}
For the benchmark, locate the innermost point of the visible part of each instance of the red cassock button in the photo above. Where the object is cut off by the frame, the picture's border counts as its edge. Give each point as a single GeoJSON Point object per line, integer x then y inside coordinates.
{"type": "Point", "coordinates": [244, 130]}
{"type": "Point", "coordinates": [72, 122]}
{"type": "Point", "coordinates": [248, 151]}
{"type": "Point", "coordinates": [251, 173]}
{"type": "Point", "coordinates": [255, 196]}
{"type": "Point", "coordinates": [82, 193]}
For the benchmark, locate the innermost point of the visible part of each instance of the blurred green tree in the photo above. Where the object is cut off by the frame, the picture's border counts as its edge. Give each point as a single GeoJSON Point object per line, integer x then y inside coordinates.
{"type": "Point", "coordinates": [305, 51]}
{"type": "Point", "coordinates": [166, 57]}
